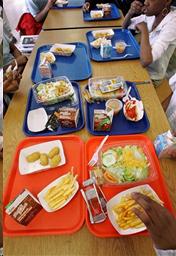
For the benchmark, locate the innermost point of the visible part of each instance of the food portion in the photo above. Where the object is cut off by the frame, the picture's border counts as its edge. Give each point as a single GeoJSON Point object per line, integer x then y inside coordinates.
{"type": "Point", "coordinates": [97, 43]}
{"type": "Point", "coordinates": [114, 104]}
{"type": "Point", "coordinates": [107, 88]}
{"type": "Point", "coordinates": [124, 216]}
{"type": "Point", "coordinates": [101, 6]}
{"type": "Point", "coordinates": [120, 46]}
{"type": "Point", "coordinates": [96, 14]}
{"type": "Point", "coordinates": [108, 34]}
{"type": "Point", "coordinates": [124, 164]}
{"type": "Point", "coordinates": [133, 109]}
{"type": "Point", "coordinates": [47, 56]}
{"type": "Point", "coordinates": [63, 49]}
{"type": "Point", "coordinates": [61, 192]}
{"type": "Point", "coordinates": [23, 208]}
{"type": "Point", "coordinates": [53, 91]}
{"type": "Point", "coordinates": [52, 159]}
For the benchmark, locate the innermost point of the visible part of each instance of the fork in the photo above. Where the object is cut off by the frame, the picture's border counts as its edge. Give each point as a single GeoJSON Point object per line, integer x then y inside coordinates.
{"type": "Point", "coordinates": [94, 158]}
{"type": "Point", "coordinates": [122, 57]}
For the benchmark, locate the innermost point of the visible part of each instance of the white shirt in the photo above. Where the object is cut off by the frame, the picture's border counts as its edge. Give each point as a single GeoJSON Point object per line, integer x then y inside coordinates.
{"type": "Point", "coordinates": [171, 110]}
{"type": "Point", "coordinates": [162, 40]}
{"type": "Point", "coordinates": [165, 252]}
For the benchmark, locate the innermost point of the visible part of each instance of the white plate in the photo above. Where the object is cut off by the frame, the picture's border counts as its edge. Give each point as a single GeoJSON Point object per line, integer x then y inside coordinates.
{"type": "Point", "coordinates": [37, 119]}
{"type": "Point", "coordinates": [116, 199]}
{"type": "Point", "coordinates": [43, 192]}
{"type": "Point", "coordinates": [28, 168]}
{"type": "Point", "coordinates": [104, 31]}
{"type": "Point", "coordinates": [63, 46]}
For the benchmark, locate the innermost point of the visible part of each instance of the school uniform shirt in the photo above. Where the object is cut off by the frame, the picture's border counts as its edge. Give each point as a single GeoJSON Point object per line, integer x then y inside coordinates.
{"type": "Point", "coordinates": [165, 252]}
{"type": "Point", "coordinates": [162, 40]}
{"type": "Point", "coordinates": [171, 110]}
{"type": "Point", "coordinates": [35, 6]}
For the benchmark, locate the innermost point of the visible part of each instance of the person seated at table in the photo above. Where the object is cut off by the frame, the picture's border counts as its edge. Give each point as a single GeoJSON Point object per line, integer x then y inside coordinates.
{"type": "Point", "coordinates": [39, 8]}
{"type": "Point", "coordinates": [12, 58]}
{"type": "Point", "coordinates": [124, 5]}
{"type": "Point", "coordinates": [159, 222]}
{"type": "Point", "coordinates": [158, 35]}
{"type": "Point", "coordinates": [171, 108]}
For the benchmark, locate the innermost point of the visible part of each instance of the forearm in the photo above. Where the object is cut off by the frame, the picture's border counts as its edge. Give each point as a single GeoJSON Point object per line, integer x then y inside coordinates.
{"type": "Point", "coordinates": [146, 50]}
{"type": "Point", "coordinates": [14, 50]}
{"type": "Point", "coordinates": [127, 19]}
{"type": "Point", "coordinates": [42, 14]}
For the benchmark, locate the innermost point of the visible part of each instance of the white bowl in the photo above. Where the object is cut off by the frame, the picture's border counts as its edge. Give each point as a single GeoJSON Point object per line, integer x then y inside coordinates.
{"type": "Point", "coordinates": [37, 119]}
{"type": "Point", "coordinates": [139, 110]}
{"type": "Point", "coordinates": [114, 104]}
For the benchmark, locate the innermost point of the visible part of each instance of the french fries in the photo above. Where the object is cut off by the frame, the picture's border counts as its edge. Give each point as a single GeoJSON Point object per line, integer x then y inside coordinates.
{"type": "Point", "coordinates": [57, 195]}
{"type": "Point", "coordinates": [123, 213]}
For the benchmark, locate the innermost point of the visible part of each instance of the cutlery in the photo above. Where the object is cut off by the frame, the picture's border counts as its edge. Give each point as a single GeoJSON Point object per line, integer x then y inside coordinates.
{"type": "Point", "coordinates": [126, 97]}
{"type": "Point", "coordinates": [121, 57]}
{"type": "Point", "coordinates": [94, 158]}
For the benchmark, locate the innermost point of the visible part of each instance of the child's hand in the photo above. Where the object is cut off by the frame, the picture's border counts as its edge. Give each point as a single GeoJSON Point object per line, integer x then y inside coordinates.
{"type": "Point", "coordinates": [51, 3]}
{"type": "Point", "coordinates": [158, 220]}
{"type": "Point", "coordinates": [136, 7]}
{"type": "Point", "coordinates": [21, 60]}
{"type": "Point", "coordinates": [11, 84]}
{"type": "Point", "coordinates": [86, 7]}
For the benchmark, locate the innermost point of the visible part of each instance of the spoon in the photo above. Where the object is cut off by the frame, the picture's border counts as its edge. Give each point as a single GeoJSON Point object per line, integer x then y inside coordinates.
{"type": "Point", "coordinates": [126, 97]}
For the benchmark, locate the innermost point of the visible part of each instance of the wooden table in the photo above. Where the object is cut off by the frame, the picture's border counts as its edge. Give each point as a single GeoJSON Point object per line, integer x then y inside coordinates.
{"type": "Point", "coordinates": [73, 18]}
{"type": "Point", "coordinates": [83, 243]}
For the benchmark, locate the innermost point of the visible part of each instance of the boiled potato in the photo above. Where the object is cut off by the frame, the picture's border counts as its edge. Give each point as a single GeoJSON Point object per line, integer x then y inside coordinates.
{"type": "Point", "coordinates": [53, 152]}
{"type": "Point", "coordinates": [55, 161]}
{"type": "Point", "coordinates": [44, 159]}
{"type": "Point", "coordinates": [33, 157]}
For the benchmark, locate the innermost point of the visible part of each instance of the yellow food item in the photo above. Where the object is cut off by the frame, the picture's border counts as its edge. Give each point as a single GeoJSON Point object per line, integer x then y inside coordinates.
{"type": "Point", "coordinates": [55, 161]}
{"type": "Point", "coordinates": [57, 195]}
{"type": "Point", "coordinates": [123, 213]}
{"type": "Point", "coordinates": [53, 152]}
{"type": "Point", "coordinates": [63, 50]}
{"type": "Point", "coordinates": [33, 157]}
{"type": "Point", "coordinates": [44, 159]}
{"type": "Point", "coordinates": [120, 47]}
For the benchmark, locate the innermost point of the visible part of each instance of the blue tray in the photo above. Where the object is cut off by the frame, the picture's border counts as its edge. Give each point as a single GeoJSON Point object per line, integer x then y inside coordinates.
{"type": "Point", "coordinates": [120, 124]}
{"type": "Point", "coordinates": [115, 14]}
{"type": "Point", "coordinates": [76, 67]}
{"type": "Point", "coordinates": [119, 34]}
{"type": "Point", "coordinates": [71, 4]}
{"type": "Point", "coordinates": [32, 104]}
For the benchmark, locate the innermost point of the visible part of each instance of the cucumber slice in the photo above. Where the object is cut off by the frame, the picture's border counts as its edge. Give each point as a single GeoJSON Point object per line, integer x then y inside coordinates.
{"type": "Point", "coordinates": [108, 159]}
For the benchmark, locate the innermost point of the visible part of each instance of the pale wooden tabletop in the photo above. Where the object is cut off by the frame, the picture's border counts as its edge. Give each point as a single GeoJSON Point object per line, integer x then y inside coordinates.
{"type": "Point", "coordinates": [83, 243]}
{"type": "Point", "coordinates": [73, 18]}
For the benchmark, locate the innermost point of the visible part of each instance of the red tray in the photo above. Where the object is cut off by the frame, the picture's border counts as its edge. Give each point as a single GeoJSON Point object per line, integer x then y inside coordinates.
{"type": "Point", "coordinates": [59, 222]}
{"type": "Point", "coordinates": [105, 229]}
{"type": "Point", "coordinates": [77, 155]}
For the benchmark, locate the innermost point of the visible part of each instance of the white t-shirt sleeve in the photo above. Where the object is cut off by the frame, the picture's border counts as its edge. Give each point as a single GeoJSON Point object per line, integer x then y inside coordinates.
{"type": "Point", "coordinates": [166, 37]}
{"type": "Point", "coordinates": [165, 252]}
{"type": "Point", "coordinates": [32, 8]}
